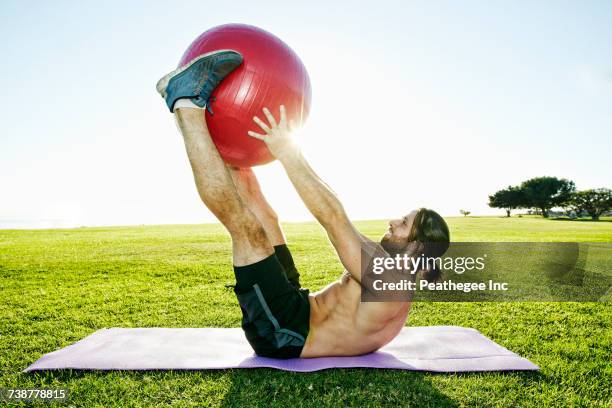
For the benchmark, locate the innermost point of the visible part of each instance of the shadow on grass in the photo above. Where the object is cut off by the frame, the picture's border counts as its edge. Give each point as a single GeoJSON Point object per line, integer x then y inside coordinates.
{"type": "Point", "coordinates": [577, 219]}
{"type": "Point", "coordinates": [268, 387]}
{"type": "Point", "coordinates": [335, 387]}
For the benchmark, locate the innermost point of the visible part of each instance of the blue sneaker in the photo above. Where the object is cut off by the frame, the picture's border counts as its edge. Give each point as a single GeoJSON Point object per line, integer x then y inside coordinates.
{"type": "Point", "coordinates": [198, 78]}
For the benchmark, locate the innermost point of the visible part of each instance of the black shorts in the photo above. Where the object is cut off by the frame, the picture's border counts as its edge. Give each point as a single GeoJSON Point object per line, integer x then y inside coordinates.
{"type": "Point", "coordinates": [275, 310]}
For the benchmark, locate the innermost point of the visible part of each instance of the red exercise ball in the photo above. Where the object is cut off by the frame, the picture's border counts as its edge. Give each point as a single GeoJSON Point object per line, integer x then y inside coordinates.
{"type": "Point", "coordinates": [271, 74]}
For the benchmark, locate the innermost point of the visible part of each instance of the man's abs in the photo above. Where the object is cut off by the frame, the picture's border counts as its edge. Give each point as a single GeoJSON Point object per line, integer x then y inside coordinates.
{"type": "Point", "coordinates": [340, 325]}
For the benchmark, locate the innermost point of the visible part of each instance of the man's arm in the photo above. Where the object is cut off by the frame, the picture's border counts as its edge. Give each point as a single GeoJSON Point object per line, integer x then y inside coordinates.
{"type": "Point", "coordinates": [318, 196]}
{"type": "Point", "coordinates": [324, 205]}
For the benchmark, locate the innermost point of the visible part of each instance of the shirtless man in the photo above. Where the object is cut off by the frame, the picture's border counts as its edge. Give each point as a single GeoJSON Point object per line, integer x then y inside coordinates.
{"type": "Point", "coordinates": [280, 319]}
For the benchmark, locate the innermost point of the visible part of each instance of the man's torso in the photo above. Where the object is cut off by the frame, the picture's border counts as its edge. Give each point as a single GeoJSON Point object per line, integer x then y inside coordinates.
{"type": "Point", "coordinates": [340, 324]}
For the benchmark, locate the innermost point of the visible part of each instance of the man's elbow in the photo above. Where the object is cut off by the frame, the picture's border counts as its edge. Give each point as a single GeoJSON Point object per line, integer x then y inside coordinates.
{"type": "Point", "coordinates": [332, 216]}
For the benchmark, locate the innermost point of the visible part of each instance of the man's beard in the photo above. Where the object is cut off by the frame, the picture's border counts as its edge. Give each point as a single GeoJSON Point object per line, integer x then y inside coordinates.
{"type": "Point", "coordinates": [392, 247]}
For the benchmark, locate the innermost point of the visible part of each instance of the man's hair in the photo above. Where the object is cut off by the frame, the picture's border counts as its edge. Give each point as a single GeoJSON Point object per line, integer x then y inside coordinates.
{"type": "Point", "coordinates": [431, 231]}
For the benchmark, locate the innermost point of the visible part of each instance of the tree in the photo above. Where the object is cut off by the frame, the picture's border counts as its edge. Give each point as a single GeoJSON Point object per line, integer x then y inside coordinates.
{"type": "Point", "coordinates": [574, 208]}
{"type": "Point", "coordinates": [509, 199]}
{"type": "Point", "coordinates": [594, 202]}
{"type": "Point", "coordinates": [545, 193]}
{"type": "Point", "coordinates": [465, 212]}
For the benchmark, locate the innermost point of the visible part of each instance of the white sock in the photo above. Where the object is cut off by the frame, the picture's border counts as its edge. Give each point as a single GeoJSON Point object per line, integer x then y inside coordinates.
{"type": "Point", "coordinates": [186, 103]}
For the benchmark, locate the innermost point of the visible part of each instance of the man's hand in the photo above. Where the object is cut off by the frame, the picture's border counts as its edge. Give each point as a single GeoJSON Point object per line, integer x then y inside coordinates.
{"type": "Point", "coordinates": [277, 135]}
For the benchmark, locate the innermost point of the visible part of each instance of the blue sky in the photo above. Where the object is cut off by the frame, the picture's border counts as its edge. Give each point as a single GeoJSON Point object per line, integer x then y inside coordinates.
{"type": "Point", "coordinates": [414, 103]}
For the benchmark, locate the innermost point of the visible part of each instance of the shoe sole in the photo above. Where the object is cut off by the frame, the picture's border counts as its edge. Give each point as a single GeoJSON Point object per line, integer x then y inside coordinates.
{"type": "Point", "coordinates": [162, 84]}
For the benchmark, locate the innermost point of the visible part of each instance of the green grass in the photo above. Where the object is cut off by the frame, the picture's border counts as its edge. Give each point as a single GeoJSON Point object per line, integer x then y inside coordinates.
{"type": "Point", "coordinates": [58, 286]}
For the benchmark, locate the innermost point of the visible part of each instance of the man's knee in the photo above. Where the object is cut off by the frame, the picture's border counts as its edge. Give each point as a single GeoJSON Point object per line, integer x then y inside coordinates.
{"type": "Point", "coordinates": [253, 231]}
{"type": "Point", "coordinates": [250, 242]}
{"type": "Point", "coordinates": [247, 229]}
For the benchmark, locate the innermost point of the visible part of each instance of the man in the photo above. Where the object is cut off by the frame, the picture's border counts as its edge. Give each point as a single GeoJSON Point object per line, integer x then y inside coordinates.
{"type": "Point", "coordinates": [280, 319]}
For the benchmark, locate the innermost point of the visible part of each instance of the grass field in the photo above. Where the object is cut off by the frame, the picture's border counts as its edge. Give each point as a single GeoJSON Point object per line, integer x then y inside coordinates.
{"type": "Point", "coordinates": [58, 286]}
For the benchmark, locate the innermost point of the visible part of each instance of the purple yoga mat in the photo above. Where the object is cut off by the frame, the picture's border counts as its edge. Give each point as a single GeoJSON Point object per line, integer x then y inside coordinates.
{"type": "Point", "coordinates": [436, 348]}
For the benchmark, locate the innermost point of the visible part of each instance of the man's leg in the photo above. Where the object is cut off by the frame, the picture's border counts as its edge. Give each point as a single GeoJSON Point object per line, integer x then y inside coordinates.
{"type": "Point", "coordinates": [275, 316]}
{"type": "Point", "coordinates": [217, 190]}
{"type": "Point", "coordinates": [249, 190]}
